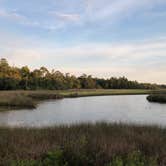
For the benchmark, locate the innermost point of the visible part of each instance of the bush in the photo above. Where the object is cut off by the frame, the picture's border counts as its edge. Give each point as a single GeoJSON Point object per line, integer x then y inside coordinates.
{"type": "Point", "coordinates": [160, 98]}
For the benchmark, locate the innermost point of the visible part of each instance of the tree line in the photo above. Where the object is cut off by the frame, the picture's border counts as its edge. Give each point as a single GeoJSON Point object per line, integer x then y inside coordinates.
{"type": "Point", "coordinates": [12, 78]}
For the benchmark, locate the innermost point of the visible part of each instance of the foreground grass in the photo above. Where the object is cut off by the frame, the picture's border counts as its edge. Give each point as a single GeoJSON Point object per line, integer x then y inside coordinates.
{"type": "Point", "coordinates": [30, 99]}
{"type": "Point", "coordinates": [84, 145]}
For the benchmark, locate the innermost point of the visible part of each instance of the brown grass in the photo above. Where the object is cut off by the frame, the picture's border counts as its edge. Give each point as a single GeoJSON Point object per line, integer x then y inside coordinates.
{"type": "Point", "coordinates": [102, 140]}
{"type": "Point", "coordinates": [16, 101]}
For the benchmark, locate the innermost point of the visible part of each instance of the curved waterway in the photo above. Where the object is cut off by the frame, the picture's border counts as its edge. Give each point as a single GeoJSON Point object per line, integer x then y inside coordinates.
{"type": "Point", "coordinates": [131, 109]}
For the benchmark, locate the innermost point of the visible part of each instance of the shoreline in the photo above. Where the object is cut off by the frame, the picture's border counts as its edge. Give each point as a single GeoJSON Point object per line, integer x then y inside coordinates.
{"type": "Point", "coordinates": [16, 100]}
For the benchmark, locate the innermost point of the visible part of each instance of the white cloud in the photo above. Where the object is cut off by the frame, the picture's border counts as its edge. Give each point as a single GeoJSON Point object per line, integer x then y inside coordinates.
{"type": "Point", "coordinates": [65, 16]}
{"type": "Point", "coordinates": [141, 60]}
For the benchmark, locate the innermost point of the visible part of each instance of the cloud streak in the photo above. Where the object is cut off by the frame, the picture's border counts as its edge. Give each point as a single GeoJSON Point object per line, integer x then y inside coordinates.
{"type": "Point", "coordinates": [65, 16]}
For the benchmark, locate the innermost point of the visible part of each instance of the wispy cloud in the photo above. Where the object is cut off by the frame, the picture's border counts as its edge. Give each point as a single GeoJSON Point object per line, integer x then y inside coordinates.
{"type": "Point", "coordinates": [54, 24]}
{"type": "Point", "coordinates": [115, 10]}
{"type": "Point", "coordinates": [65, 16]}
{"type": "Point", "coordinates": [17, 17]}
{"type": "Point", "coordinates": [94, 11]}
{"type": "Point", "coordinates": [12, 15]}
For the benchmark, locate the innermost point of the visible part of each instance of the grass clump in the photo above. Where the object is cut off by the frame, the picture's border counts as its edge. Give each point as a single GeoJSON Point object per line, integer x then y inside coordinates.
{"type": "Point", "coordinates": [17, 102]}
{"type": "Point", "coordinates": [159, 98]}
{"type": "Point", "coordinates": [25, 99]}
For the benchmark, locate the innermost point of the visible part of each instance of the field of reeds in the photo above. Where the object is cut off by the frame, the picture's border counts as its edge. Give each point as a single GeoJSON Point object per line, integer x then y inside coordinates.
{"type": "Point", "coordinates": [98, 144]}
{"type": "Point", "coordinates": [30, 99]}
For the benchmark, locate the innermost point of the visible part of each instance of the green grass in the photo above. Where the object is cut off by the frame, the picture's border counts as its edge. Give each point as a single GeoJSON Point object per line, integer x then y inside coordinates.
{"type": "Point", "coordinates": [30, 99]}
{"type": "Point", "coordinates": [98, 144]}
{"type": "Point", "coordinates": [104, 92]}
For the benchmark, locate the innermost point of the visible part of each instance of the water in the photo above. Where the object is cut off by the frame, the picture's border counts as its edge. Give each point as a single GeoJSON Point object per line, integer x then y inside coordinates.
{"type": "Point", "coordinates": [133, 109]}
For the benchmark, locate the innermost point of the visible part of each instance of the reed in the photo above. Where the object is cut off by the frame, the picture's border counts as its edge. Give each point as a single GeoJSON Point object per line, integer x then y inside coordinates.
{"type": "Point", "coordinates": [85, 144]}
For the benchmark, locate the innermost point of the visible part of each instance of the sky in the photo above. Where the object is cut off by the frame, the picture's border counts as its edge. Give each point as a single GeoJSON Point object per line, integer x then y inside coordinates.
{"type": "Point", "coordinates": [103, 38]}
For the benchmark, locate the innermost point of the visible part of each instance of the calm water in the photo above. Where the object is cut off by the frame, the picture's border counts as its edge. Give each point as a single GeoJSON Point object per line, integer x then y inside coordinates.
{"type": "Point", "coordinates": [128, 109]}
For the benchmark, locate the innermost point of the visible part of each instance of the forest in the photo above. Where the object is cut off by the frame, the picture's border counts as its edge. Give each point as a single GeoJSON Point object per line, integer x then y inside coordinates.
{"type": "Point", "coordinates": [14, 78]}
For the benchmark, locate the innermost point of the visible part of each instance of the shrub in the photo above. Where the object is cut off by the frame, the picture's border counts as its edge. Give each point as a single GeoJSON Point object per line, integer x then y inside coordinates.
{"type": "Point", "coordinates": [160, 98]}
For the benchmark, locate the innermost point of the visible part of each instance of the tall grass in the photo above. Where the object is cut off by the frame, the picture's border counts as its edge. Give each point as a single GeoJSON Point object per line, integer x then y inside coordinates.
{"type": "Point", "coordinates": [24, 99]}
{"type": "Point", "coordinates": [86, 144]}
{"type": "Point", "coordinates": [17, 102]}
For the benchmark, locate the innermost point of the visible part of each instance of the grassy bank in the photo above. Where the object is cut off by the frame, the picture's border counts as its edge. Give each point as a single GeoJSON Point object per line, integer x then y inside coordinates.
{"type": "Point", "coordinates": [16, 101]}
{"type": "Point", "coordinates": [84, 145]}
{"type": "Point", "coordinates": [103, 92]}
{"type": "Point", "coordinates": [24, 99]}
{"type": "Point", "coordinates": [30, 99]}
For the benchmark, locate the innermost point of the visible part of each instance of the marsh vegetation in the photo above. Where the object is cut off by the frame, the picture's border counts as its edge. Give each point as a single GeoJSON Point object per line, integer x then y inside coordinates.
{"type": "Point", "coordinates": [85, 144]}
{"type": "Point", "coordinates": [30, 99]}
{"type": "Point", "coordinates": [158, 98]}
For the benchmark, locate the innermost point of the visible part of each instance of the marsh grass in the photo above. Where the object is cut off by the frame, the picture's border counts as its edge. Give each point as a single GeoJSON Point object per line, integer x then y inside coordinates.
{"type": "Point", "coordinates": [24, 99]}
{"type": "Point", "coordinates": [17, 102]}
{"type": "Point", "coordinates": [44, 96]}
{"type": "Point", "coordinates": [85, 144]}
{"type": "Point", "coordinates": [30, 99]}
{"type": "Point", "coordinates": [103, 92]}
{"type": "Point", "coordinates": [157, 97]}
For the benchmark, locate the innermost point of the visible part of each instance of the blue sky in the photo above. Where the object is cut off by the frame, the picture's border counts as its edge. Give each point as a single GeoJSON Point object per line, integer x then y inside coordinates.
{"type": "Point", "coordinates": [100, 37]}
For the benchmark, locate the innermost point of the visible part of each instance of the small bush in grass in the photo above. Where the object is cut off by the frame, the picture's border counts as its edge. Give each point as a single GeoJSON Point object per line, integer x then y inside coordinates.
{"type": "Point", "coordinates": [133, 159]}
{"type": "Point", "coordinates": [55, 158]}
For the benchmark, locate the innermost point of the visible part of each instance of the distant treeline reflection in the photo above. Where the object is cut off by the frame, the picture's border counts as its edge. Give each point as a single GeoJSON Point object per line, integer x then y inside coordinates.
{"type": "Point", "coordinates": [12, 78]}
